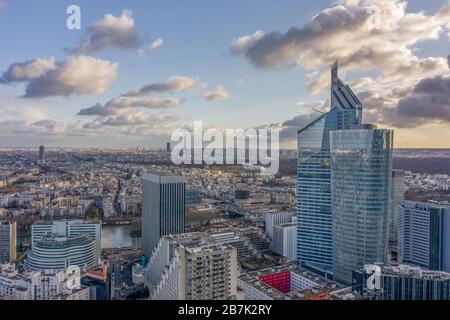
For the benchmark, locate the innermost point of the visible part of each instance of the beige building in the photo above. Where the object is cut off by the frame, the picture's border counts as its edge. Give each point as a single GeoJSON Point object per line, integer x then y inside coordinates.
{"type": "Point", "coordinates": [8, 241]}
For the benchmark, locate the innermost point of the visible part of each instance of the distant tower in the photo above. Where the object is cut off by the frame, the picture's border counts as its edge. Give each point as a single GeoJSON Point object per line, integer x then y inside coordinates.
{"type": "Point", "coordinates": [41, 154]}
{"type": "Point", "coordinates": [168, 152]}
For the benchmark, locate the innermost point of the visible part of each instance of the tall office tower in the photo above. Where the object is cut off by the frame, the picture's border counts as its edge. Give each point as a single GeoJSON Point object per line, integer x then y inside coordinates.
{"type": "Point", "coordinates": [404, 282]}
{"type": "Point", "coordinates": [285, 240]}
{"type": "Point", "coordinates": [163, 208]}
{"type": "Point", "coordinates": [361, 177]}
{"type": "Point", "coordinates": [314, 232]}
{"type": "Point", "coordinates": [42, 154]}
{"type": "Point", "coordinates": [273, 218]}
{"type": "Point", "coordinates": [398, 195]}
{"type": "Point", "coordinates": [69, 228]}
{"type": "Point", "coordinates": [8, 241]}
{"type": "Point", "coordinates": [424, 235]}
{"type": "Point", "coordinates": [191, 267]}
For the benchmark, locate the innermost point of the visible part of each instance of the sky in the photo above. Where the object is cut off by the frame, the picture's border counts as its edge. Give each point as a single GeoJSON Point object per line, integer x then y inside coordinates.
{"type": "Point", "coordinates": [138, 70]}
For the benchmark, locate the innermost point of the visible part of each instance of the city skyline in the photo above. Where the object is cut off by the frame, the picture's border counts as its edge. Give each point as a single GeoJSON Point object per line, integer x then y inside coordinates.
{"type": "Point", "coordinates": [135, 72]}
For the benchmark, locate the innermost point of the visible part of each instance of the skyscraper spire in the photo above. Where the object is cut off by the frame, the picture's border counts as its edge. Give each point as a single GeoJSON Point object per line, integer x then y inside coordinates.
{"type": "Point", "coordinates": [334, 72]}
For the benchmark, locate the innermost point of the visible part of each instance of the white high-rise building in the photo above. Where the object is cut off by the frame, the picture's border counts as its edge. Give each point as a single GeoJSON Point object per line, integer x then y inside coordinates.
{"type": "Point", "coordinates": [285, 240]}
{"type": "Point", "coordinates": [69, 228]}
{"type": "Point", "coordinates": [274, 218]}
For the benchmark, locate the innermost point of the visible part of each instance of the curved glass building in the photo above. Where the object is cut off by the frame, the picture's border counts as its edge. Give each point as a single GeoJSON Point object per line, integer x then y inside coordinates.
{"type": "Point", "coordinates": [314, 230]}
{"type": "Point", "coordinates": [58, 253]}
{"type": "Point", "coordinates": [361, 175]}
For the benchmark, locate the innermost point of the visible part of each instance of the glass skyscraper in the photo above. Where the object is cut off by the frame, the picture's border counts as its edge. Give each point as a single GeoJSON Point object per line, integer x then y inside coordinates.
{"type": "Point", "coordinates": [361, 178]}
{"type": "Point", "coordinates": [163, 208]}
{"type": "Point", "coordinates": [424, 235]}
{"type": "Point", "coordinates": [314, 232]}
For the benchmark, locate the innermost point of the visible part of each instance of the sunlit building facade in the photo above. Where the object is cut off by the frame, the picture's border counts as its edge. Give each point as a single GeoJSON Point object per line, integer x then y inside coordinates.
{"type": "Point", "coordinates": [361, 177]}
{"type": "Point", "coordinates": [314, 232]}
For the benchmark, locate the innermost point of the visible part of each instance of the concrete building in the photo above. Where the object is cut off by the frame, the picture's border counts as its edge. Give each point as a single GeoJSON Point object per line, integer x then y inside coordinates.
{"type": "Point", "coordinates": [424, 236]}
{"type": "Point", "coordinates": [273, 218]}
{"type": "Point", "coordinates": [403, 282]}
{"type": "Point", "coordinates": [361, 173]}
{"type": "Point", "coordinates": [37, 285]}
{"type": "Point", "coordinates": [284, 240]}
{"type": "Point", "coordinates": [8, 241]}
{"type": "Point", "coordinates": [398, 196]}
{"type": "Point", "coordinates": [69, 228]}
{"type": "Point", "coordinates": [190, 267]}
{"type": "Point", "coordinates": [163, 208]}
{"type": "Point", "coordinates": [287, 282]}
{"type": "Point", "coordinates": [52, 252]}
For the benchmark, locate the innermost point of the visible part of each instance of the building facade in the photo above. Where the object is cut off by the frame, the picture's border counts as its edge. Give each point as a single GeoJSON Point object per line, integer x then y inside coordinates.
{"type": "Point", "coordinates": [58, 253]}
{"type": "Point", "coordinates": [424, 236]}
{"type": "Point", "coordinates": [271, 219]}
{"type": "Point", "coordinates": [361, 175]}
{"type": "Point", "coordinates": [163, 208]}
{"type": "Point", "coordinates": [8, 241]}
{"type": "Point", "coordinates": [285, 282]}
{"type": "Point", "coordinates": [191, 267]}
{"type": "Point", "coordinates": [69, 228]}
{"type": "Point", "coordinates": [38, 285]}
{"type": "Point", "coordinates": [314, 232]}
{"type": "Point", "coordinates": [398, 196]}
{"type": "Point", "coordinates": [284, 240]}
{"type": "Point", "coordinates": [403, 282]}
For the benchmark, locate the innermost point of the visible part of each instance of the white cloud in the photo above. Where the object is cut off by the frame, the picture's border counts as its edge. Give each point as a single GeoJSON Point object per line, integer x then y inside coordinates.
{"type": "Point", "coordinates": [122, 105]}
{"type": "Point", "coordinates": [144, 97]}
{"type": "Point", "coordinates": [77, 75]}
{"type": "Point", "coordinates": [132, 118]}
{"type": "Point", "coordinates": [366, 35]}
{"type": "Point", "coordinates": [242, 44]}
{"type": "Point", "coordinates": [111, 32]}
{"type": "Point", "coordinates": [173, 84]}
{"type": "Point", "coordinates": [156, 44]}
{"type": "Point", "coordinates": [30, 70]}
{"type": "Point", "coordinates": [217, 95]}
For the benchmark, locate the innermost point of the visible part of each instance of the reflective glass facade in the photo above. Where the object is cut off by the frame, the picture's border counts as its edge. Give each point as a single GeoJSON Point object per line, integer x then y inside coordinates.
{"type": "Point", "coordinates": [361, 177]}
{"type": "Point", "coordinates": [314, 231]}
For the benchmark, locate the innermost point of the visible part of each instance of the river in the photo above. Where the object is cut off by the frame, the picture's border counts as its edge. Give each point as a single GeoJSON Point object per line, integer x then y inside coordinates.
{"type": "Point", "coordinates": [118, 236]}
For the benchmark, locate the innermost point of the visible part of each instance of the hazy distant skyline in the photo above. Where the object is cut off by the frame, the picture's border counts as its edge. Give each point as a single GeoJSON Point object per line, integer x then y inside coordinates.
{"type": "Point", "coordinates": [137, 70]}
